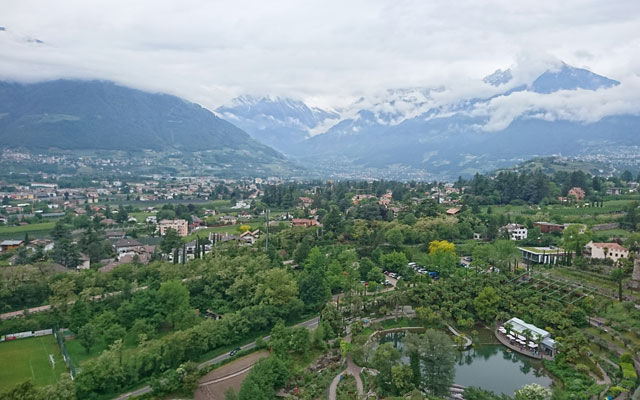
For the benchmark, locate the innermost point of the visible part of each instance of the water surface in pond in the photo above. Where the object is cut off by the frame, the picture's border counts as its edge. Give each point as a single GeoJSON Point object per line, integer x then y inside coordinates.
{"type": "Point", "coordinates": [490, 367]}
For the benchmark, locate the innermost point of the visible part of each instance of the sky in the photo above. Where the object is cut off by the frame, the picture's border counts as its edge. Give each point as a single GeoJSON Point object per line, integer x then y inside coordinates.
{"type": "Point", "coordinates": [327, 53]}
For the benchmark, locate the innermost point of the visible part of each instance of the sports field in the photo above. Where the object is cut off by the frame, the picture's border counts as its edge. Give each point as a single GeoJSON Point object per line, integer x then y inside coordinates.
{"type": "Point", "coordinates": [28, 359]}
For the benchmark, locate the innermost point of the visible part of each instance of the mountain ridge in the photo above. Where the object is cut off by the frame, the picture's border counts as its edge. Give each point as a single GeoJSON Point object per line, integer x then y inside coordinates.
{"type": "Point", "coordinates": [411, 130]}
{"type": "Point", "coordinates": [77, 115]}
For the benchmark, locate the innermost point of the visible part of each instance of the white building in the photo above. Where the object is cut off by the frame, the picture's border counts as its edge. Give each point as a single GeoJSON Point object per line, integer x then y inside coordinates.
{"type": "Point", "coordinates": [519, 327]}
{"type": "Point", "coordinates": [516, 231]}
{"type": "Point", "coordinates": [543, 255]}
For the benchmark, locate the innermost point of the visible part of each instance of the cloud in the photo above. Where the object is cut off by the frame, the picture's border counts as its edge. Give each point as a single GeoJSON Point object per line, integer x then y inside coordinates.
{"type": "Point", "coordinates": [572, 105]}
{"type": "Point", "coordinates": [328, 53]}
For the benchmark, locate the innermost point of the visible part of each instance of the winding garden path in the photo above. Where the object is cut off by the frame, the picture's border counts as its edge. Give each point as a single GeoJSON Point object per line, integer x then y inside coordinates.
{"type": "Point", "coordinates": [352, 369]}
{"type": "Point", "coordinates": [468, 341]}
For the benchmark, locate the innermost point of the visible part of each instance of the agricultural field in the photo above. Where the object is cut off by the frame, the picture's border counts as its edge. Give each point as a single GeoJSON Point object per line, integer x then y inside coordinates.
{"type": "Point", "coordinates": [18, 232]}
{"type": "Point", "coordinates": [28, 359]}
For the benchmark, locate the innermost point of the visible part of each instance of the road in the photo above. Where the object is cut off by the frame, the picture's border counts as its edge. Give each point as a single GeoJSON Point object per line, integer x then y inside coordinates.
{"type": "Point", "coordinates": [311, 324]}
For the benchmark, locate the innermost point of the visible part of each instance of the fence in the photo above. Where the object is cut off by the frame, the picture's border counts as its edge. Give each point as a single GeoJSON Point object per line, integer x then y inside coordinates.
{"type": "Point", "coordinates": [63, 349]}
{"type": "Point", "coordinates": [27, 334]}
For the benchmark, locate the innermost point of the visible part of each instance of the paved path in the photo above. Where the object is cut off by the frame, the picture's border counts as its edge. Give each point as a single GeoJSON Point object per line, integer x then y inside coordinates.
{"type": "Point", "coordinates": [311, 324]}
{"type": "Point", "coordinates": [352, 369]}
{"type": "Point", "coordinates": [467, 342]}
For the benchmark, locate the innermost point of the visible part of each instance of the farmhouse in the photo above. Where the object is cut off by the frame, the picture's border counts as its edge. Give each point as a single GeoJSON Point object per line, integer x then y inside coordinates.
{"type": "Point", "coordinates": [605, 250]}
{"type": "Point", "coordinates": [10, 244]}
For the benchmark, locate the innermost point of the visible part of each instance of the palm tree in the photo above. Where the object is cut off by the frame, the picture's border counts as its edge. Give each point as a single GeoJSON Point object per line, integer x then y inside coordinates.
{"type": "Point", "coordinates": [508, 326]}
{"type": "Point", "coordinates": [539, 343]}
{"type": "Point", "coordinates": [527, 334]}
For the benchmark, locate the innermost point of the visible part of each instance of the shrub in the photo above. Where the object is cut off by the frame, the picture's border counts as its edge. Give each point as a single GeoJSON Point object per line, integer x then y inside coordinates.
{"type": "Point", "coordinates": [628, 372]}
{"type": "Point", "coordinates": [626, 358]}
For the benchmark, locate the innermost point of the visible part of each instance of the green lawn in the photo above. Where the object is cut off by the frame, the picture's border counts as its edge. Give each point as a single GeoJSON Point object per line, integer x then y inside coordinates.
{"type": "Point", "coordinates": [28, 359]}
{"type": "Point", "coordinates": [231, 229]}
{"type": "Point", "coordinates": [32, 229]}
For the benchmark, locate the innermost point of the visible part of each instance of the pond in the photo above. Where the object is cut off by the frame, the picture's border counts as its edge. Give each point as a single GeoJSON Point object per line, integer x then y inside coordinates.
{"type": "Point", "coordinates": [490, 367]}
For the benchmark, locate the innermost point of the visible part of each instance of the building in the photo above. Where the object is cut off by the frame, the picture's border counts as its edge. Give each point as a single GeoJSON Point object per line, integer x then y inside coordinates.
{"type": "Point", "coordinates": [45, 244]}
{"type": "Point", "coordinates": [576, 193]}
{"type": "Point", "coordinates": [302, 222]}
{"type": "Point", "coordinates": [542, 255]}
{"type": "Point", "coordinates": [453, 211]}
{"type": "Point", "coordinates": [548, 227]}
{"type": "Point", "coordinates": [519, 327]}
{"type": "Point", "coordinates": [516, 231]}
{"type": "Point", "coordinates": [306, 201]}
{"type": "Point", "coordinates": [603, 251]}
{"type": "Point", "coordinates": [6, 245]}
{"type": "Point", "coordinates": [178, 225]}
{"type": "Point", "coordinates": [229, 219]}
{"type": "Point", "coordinates": [250, 237]}
{"type": "Point", "coordinates": [125, 245]}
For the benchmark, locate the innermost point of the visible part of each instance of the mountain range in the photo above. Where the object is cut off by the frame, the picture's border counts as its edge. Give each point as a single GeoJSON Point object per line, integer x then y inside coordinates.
{"type": "Point", "coordinates": [411, 134]}
{"type": "Point", "coordinates": [74, 115]}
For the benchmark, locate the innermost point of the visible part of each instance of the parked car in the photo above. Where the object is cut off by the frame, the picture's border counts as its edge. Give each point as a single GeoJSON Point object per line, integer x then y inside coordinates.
{"type": "Point", "coordinates": [234, 351]}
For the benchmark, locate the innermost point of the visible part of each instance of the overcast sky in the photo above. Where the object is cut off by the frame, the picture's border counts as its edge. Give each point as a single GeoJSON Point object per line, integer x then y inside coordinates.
{"type": "Point", "coordinates": [325, 52]}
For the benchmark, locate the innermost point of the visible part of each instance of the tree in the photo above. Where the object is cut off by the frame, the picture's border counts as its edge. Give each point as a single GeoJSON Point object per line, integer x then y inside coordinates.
{"type": "Point", "coordinates": [474, 393]}
{"type": "Point", "coordinates": [375, 275]}
{"type": "Point", "coordinates": [174, 298]}
{"type": "Point", "coordinates": [631, 218]}
{"type": "Point", "coordinates": [332, 222]}
{"type": "Point", "coordinates": [441, 246]}
{"type": "Point", "coordinates": [395, 237]}
{"type": "Point", "coordinates": [87, 336]}
{"type": "Point", "coordinates": [264, 378]}
{"type": "Point", "coordinates": [314, 290]}
{"type": "Point", "coordinates": [402, 378]}
{"type": "Point", "coordinates": [574, 238]}
{"type": "Point", "coordinates": [436, 353]}
{"type": "Point", "coordinates": [170, 241]}
{"type": "Point", "coordinates": [486, 304]}
{"type": "Point", "coordinates": [277, 287]}
{"type": "Point", "coordinates": [22, 256]}
{"type": "Point", "coordinates": [114, 332]}
{"type": "Point", "coordinates": [64, 251]}
{"type": "Point", "coordinates": [532, 392]}
{"type": "Point", "coordinates": [62, 293]}
{"type": "Point", "coordinates": [394, 261]}
{"type": "Point", "coordinates": [79, 315]}
{"type": "Point", "coordinates": [302, 250]}
{"type": "Point", "coordinates": [384, 358]}
{"type": "Point", "coordinates": [618, 276]}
